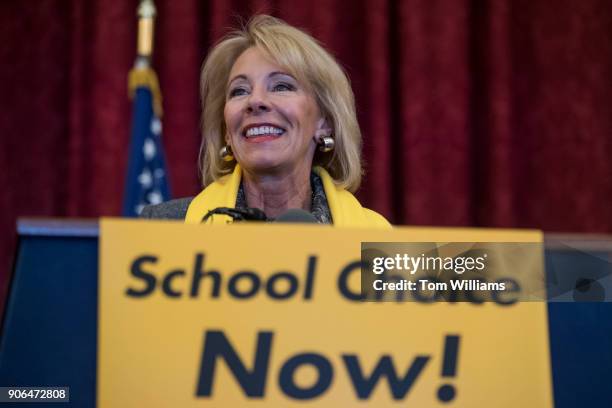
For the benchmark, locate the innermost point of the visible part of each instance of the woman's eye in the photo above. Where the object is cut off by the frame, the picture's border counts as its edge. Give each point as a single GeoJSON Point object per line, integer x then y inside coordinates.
{"type": "Point", "coordinates": [282, 86]}
{"type": "Point", "coordinates": [237, 92]}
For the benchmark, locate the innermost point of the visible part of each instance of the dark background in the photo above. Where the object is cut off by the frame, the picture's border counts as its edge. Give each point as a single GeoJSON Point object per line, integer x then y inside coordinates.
{"type": "Point", "coordinates": [474, 113]}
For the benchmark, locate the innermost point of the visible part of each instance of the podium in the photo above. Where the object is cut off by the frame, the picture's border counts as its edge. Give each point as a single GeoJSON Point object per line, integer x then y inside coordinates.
{"type": "Point", "coordinates": [49, 331]}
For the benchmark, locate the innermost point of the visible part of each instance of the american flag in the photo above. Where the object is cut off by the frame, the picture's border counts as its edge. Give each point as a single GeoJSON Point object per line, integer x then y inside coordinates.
{"type": "Point", "coordinates": [147, 177]}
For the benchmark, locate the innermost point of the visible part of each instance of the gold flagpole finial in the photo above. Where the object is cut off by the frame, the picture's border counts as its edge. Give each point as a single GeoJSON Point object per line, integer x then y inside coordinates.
{"type": "Point", "coordinates": [142, 75]}
{"type": "Point", "coordinates": [146, 19]}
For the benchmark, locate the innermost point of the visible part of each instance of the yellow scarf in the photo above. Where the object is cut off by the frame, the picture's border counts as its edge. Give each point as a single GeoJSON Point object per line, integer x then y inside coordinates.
{"type": "Point", "coordinates": [344, 207]}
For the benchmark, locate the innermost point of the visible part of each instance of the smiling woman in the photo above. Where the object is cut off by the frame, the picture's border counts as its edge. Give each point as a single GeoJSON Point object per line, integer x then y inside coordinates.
{"type": "Point", "coordinates": [279, 131]}
{"type": "Point", "coordinates": [273, 124]}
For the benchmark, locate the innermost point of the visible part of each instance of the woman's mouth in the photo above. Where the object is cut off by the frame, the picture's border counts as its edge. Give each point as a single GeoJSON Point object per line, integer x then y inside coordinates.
{"type": "Point", "coordinates": [263, 133]}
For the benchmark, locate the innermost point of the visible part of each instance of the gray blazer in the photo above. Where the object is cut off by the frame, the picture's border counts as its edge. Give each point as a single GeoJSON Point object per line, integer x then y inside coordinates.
{"type": "Point", "coordinates": [170, 210]}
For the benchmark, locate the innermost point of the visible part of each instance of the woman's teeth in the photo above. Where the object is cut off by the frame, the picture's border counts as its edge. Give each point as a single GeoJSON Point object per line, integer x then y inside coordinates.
{"type": "Point", "coordinates": [264, 130]}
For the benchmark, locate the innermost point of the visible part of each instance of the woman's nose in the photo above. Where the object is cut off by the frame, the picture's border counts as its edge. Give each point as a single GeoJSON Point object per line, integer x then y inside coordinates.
{"type": "Point", "coordinates": [258, 102]}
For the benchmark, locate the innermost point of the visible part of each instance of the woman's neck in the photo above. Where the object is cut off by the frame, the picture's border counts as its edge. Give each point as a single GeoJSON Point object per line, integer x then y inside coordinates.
{"type": "Point", "coordinates": [276, 193]}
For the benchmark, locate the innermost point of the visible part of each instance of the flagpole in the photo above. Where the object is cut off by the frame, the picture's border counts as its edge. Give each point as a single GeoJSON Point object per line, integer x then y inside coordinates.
{"type": "Point", "coordinates": [146, 25]}
{"type": "Point", "coordinates": [142, 74]}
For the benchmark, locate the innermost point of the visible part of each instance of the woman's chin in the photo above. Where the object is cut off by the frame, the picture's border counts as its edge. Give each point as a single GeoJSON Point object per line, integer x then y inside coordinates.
{"type": "Point", "coordinates": [265, 165]}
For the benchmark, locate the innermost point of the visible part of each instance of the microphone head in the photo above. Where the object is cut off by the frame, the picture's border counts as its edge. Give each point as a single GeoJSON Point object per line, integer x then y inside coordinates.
{"type": "Point", "coordinates": [296, 215]}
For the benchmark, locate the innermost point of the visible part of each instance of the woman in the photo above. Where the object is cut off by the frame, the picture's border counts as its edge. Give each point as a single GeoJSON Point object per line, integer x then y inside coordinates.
{"type": "Point", "coordinates": [279, 131]}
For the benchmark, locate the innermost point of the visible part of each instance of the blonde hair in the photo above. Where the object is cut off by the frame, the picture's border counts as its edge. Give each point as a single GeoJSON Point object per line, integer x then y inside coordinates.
{"type": "Point", "coordinates": [303, 57]}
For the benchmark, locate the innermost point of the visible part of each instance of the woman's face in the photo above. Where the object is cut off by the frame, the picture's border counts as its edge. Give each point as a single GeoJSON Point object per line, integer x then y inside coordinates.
{"type": "Point", "coordinates": [271, 118]}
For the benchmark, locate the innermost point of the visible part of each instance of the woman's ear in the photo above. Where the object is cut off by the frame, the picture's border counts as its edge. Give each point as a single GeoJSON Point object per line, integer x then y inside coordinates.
{"type": "Point", "coordinates": [225, 133]}
{"type": "Point", "coordinates": [323, 129]}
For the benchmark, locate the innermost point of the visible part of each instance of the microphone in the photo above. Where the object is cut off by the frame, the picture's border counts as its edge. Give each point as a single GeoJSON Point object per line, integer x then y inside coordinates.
{"type": "Point", "coordinates": [296, 215]}
{"type": "Point", "coordinates": [238, 214]}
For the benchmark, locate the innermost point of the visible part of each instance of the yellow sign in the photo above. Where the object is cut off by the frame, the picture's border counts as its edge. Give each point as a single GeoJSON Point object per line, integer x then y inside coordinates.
{"type": "Point", "coordinates": [251, 315]}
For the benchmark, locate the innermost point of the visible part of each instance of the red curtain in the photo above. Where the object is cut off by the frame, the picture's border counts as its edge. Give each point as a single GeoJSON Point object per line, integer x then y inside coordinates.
{"type": "Point", "coordinates": [474, 113]}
